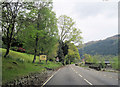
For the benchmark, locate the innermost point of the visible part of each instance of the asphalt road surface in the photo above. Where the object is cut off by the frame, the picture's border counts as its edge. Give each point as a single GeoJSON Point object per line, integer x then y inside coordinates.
{"type": "Point", "coordinates": [75, 75]}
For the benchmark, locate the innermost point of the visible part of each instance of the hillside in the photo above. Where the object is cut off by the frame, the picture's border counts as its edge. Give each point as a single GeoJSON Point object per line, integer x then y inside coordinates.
{"type": "Point", "coordinates": [17, 65]}
{"type": "Point", "coordinates": [108, 46]}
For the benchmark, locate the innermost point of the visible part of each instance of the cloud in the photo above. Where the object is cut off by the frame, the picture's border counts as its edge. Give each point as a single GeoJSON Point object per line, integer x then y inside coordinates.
{"type": "Point", "coordinates": [62, 7]}
{"type": "Point", "coordinates": [96, 20]}
{"type": "Point", "coordinates": [86, 9]}
{"type": "Point", "coordinates": [98, 27]}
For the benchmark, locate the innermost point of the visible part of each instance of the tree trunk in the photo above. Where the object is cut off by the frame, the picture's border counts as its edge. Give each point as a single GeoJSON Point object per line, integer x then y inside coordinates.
{"type": "Point", "coordinates": [7, 52]}
{"type": "Point", "coordinates": [35, 49]}
{"type": "Point", "coordinates": [36, 42]}
{"type": "Point", "coordinates": [34, 58]}
{"type": "Point", "coordinates": [9, 39]}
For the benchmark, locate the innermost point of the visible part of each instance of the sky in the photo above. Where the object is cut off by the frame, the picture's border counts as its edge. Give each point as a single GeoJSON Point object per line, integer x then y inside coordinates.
{"type": "Point", "coordinates": [97, 19]}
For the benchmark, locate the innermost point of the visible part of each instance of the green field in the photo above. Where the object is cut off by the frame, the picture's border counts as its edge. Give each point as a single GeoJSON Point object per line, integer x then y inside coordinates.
{"type": "Point", "coordinates": [20, 64]}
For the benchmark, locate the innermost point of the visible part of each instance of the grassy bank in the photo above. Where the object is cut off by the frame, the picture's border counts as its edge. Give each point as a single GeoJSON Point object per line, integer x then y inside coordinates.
{"type": "Point", "coordinates": [20, 64]}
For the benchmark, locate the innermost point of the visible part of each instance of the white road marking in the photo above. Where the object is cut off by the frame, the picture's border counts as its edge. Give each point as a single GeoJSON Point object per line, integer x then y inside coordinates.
{"type": "Point", "coordinates": [72, 68]}
{"type": "Point", "coordinates": [84, 79]}
{"type": "Point", "coordinates": [88, 82]}
{"type": "Point", "coordinates": [104, 75]}
{"type": "Point", "coordinates": [47, 81]}
{"type": "Point", "coordinates": [80, 75]}
{"type": "Point", "coordinates": [50, 78]}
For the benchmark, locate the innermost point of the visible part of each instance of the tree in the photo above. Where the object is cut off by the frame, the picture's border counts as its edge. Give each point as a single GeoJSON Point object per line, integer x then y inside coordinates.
{"type": "Point", "coordinates": [88, 58]}
{"type": "Point", "coordinates": [95, 61]}
{"type": "Point", "coordinates": [73, 53]}
{"type": "Point", "coordinates": [103, 63]}
{"type": "Point", "coordinates": [115, 62]}
{"type": "Point", "coordinates": [67, 33]}
{"type": "Point", "coordinates": [9, 21]}
{"type": "Point", "coordinates": [42, 30]}
{"type": "Point", "coordinates": [52, 51]}
{"type": "Point", "coordinates": [60, 53]}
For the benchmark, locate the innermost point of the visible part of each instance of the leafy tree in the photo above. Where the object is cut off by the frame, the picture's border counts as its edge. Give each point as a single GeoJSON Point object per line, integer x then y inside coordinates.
{"type": "Point", "coordinates": [67, 33]}
{"type": "Point", "coordinates": [52, 52]}
{"type": "Point", "coordinates": [60, 53]}
{"type": "Point", "coordinates": [103, 63]}
{"type": "Point", "coordinates": [41, 34]}
{"type": "Point", "coordinates": [10, 12]}
{"type": "Point", "coordinates": [88, 58]}
{"type": "Point", "coordinates": [95, 61]}
{"type": "Point", "coordinates": [73, 53]}
{"type": "Point", "coordinates": [114, 62]}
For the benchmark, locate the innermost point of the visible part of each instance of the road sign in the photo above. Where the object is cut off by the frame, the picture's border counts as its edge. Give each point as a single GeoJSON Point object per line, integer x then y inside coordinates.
{"type": "Point", "coordinates": [43, 57]}
{"type": "Point", "coordinates": [57, 59]}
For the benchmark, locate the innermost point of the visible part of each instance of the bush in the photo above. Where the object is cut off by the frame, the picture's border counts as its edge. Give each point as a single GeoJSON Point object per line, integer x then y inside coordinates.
{"type": "Point", "coordinates": [14, 48]}
{"type": "Point", "coordinates": [114, 63]}
{"type": "Point", "coordinates": [21, 50]}
{"type": "Point", "coordinates": [51, 59]}
{"type": "Point", "coordinates": [80, 64]}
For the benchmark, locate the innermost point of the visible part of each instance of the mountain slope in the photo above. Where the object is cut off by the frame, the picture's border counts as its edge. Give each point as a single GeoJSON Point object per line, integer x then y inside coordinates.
{"type": "Point", "coordinates": [108, 46]}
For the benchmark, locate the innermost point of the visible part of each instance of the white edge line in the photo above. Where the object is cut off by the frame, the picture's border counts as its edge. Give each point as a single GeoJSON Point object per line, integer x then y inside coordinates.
{"type": "Point", "coordinates": [80, 75]}
{"type": "Point", "coordinates": [88, 82]}
{"type": "Point", "coordinates": [49, 78]}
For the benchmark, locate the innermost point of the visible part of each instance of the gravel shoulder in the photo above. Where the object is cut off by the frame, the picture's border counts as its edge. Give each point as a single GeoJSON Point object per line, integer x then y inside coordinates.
{"type": "Point", "coordinates": [33, 79]}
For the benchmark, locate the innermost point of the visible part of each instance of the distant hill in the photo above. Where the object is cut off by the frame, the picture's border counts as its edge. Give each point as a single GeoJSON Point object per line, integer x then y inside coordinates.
{"type": "Point", "coordinates": [108, 46]}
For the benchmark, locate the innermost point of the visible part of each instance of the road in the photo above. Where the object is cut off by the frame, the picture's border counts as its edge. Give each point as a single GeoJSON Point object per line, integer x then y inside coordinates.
{"type": "Point", "coordinates": [75, 75]}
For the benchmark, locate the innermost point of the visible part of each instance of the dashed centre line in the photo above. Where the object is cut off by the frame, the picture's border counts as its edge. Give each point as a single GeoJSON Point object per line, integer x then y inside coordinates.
{"type": "Point", "coordinates": [80, 75]}
{"type": "Point", "coordinates": [76, 72]}
{"type": "Point", "coordinates": [88, 82]}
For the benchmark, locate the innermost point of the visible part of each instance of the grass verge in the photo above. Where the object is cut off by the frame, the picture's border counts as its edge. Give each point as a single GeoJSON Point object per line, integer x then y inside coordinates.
{"type": "Point", "coordinates": [19, 64]}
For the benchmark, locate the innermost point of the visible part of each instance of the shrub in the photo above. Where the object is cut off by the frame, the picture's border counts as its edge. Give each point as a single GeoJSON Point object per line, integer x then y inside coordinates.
{"type": "Point", "coordinates": [21, 50]}
{"type": "Point", "coordinates": [14, 48]}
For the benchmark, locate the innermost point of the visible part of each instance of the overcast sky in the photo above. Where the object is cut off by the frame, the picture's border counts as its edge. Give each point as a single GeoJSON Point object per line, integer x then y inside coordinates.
{"type": "Point", "coordinates": [97, 19]}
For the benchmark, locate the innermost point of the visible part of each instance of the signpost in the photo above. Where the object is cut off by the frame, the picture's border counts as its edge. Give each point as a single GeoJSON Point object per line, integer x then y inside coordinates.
{"type": "Point", "coordinates": [43, 57]}
{"type": "Point", "coordinates": [57, 59]}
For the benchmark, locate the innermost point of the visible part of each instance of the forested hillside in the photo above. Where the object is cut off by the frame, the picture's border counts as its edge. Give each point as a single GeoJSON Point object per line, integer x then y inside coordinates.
{"type": "Point", "coordinates": [108, 46]}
